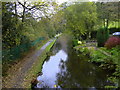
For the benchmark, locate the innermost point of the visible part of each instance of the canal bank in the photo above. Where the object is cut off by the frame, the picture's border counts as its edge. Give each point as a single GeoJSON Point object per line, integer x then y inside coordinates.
{"type": "Point", "coordinates": [36, 67]}
{"type": "Point", "coordinates": [66, 68]}
{"type": "Point", "coordinates": [23, 72]}
{"type": "Point", "coordinates": [104, 58]}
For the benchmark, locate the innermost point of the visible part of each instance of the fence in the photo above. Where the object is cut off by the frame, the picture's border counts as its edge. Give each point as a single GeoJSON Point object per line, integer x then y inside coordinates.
{"type": "Point", "coordinates": [16, 52]}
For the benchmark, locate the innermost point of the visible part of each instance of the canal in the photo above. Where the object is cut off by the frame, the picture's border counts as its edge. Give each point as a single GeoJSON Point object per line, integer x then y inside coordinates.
{"type": "Point", "coordinates": [66, 69]}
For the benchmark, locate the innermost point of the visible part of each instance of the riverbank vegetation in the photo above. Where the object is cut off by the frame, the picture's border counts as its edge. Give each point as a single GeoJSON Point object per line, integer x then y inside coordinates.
{"type": "Point", "coordinates": [108, 60]}
{"type": "Point", "coordinates": [27, 25]}
{"type": "Point", "coordinates": [30, 77]}
{"type": "Point", "coordinates": [23, 32]}
{"type": "Point", "coordinates": [92, 34]}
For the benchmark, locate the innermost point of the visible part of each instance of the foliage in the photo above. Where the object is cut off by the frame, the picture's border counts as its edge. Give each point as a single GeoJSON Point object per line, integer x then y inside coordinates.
{"type": "Point", "coordinates": [17, 31]}
{"type": "Point", "coordinates": [80, 20]}
{"type": "Point", "coordinates": [102, 36]}
{"type": "Point", "coordinates": [111, 87]}
{"type": "Point", "coordinates": [107, 12]}
{"type": "Point", "coordinates": [108, 59]}
{"type": "Point", "coordinates": [48, 27]}
{"type": "Point", "coordinates": [83, 50]}
{"type": "Point", "coordinates": [113, 24]}
{"type": "Point", "coordinates": [107, 62]}
{"type": "Point", "coordinates": [58, 21]}
{"type": "Point", "coordinates": [113, 52]}
{"type": "Point", "coordinates": [97, 56]}
{"type": "Point", "coordinates": [21, 29]}
{"type": "Point", "coordinates": [112, 42]}
{"type": "Point", "coordinates": [110, 62]}
{"type": "Point", "coordinates": [10, 33]}
{"type": "Point", "coordinates": [75, 42]}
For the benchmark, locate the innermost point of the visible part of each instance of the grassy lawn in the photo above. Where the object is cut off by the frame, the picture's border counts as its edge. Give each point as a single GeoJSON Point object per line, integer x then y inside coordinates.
{"type": "Point", "coordinates": [114, 24]}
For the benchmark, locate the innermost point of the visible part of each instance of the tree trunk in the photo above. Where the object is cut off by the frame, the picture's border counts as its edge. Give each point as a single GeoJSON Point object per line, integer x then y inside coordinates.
{"type": "Point", "coordinates": [89, 35]}
{"type": "Point", "coordinates": [16, 13]}
{"type": "Point", "coordinates": [104, 22]}
{"type": "Point", "coordinates": [107, 23]}
{"type": "Point", "coordinates": [23, 16]}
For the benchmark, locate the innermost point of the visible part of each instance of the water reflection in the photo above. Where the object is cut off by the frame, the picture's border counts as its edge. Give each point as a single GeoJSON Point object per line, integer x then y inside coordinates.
{"type": "Point", "coordinates": [66, 69]}
{"type": "Point", "coordinates": [50, 69]}
{"type": "Point", "coordinates": [80, 73]}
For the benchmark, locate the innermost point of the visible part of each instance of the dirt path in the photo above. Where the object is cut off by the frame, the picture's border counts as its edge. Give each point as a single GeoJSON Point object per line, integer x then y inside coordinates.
{"type": "Point", "coordinates": [17, 73]}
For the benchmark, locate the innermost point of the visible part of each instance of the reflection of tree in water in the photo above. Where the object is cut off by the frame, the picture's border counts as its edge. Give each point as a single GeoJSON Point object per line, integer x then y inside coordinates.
{"type": "Point", "coordinates": [41, 85]}
{"type": "Point", "coordinates": [63, 76]}
{"type": "Point", "coordinates": [56, 47]}
{"type": "Point", "coordinates": [76, 72]}
{"type": "Point", "coordinates": [65, 42]}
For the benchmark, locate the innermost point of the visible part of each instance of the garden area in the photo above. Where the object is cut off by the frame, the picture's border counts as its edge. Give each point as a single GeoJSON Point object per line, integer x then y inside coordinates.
{"type": "Point", "coordinates": [103, 52]}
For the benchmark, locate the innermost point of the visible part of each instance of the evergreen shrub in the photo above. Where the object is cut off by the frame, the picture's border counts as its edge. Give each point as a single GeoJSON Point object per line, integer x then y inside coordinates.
{"type": "Point", "coordinates": [102, 36]}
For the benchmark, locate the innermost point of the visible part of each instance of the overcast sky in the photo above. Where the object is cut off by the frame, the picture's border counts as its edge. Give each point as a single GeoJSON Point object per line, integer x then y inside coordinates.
{"type": "Point", "coordinates": [62, 1]}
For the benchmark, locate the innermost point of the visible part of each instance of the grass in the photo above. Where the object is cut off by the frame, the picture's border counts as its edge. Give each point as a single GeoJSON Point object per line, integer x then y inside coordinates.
{"type": "Point", "coordinates": [37, 67]}
{"type": "Point", "coordinates": [114, 24]}
{"type": "Point", "coordinates": [50, 45]}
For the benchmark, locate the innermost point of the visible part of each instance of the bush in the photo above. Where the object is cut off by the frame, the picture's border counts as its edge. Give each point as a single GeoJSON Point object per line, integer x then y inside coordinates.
{"type": "Point", "coordinates": [75, 42]}
{"type": "Point", "coordinates": [112, 42]}
{"type": "Point", "coordinates": [102, 36]}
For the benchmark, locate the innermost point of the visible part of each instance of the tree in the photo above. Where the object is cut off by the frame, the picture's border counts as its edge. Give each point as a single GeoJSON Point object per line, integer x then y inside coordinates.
{"type": "Point", "coordinates": [108, 11]}
{"type": "Point", "coordinates": [81, 18]}
{"type": "Point", "coordinates": [58, 21]}
{"type": "Point", "coordinates": [10, 33]}
{"type": "Point", "coordinates": [30, 7]}
{"type": "Point", "coordinates": [21, 24]}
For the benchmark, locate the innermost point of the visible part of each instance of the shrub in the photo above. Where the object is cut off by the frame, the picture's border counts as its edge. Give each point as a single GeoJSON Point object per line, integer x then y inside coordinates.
{"type": "Point", "coordinates": [112, 42]}
{"type": "Point", "coordinates": [102, 36]}
{"type": "Point", "coordinates": [75, 42]}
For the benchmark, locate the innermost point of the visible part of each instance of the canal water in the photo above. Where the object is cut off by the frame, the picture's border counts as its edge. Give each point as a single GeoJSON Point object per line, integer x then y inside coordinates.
{"type": "Point", "coordinates": [66, 69]}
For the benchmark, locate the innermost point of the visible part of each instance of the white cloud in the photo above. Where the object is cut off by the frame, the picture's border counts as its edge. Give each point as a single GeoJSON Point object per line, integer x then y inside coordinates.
{"type": "Point", "coordinates": [61, 1]}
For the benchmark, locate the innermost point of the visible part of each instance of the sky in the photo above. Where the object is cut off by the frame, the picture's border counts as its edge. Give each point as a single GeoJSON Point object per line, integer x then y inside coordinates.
{"type": "Point", "coordinates": [62, 1]}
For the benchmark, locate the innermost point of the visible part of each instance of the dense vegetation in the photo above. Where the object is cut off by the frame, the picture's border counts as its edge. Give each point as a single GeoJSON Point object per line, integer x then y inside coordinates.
{"type": "Point", "coordinates": [102, 36]}
{"type": "Point", "coordinates": [102, 18]}
{"type": "Point", "coordinates": [23, 29]}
